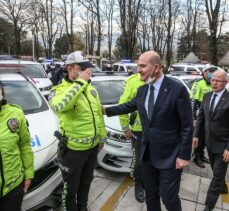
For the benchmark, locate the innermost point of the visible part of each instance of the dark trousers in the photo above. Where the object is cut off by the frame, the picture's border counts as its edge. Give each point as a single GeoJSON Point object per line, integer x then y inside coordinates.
{"type": "Point", "coordinates": [199, 150]}
{"type": "Point", "coordinates": [12, 200]}
{"type": "Point", "coordinates": [77, 172]}
{"type": "Point", "coordinates": [136, 169]}
{"type": "Point", "coordinates": [160, 182]}
{"type": "Point", "coordinates": [219, 168]}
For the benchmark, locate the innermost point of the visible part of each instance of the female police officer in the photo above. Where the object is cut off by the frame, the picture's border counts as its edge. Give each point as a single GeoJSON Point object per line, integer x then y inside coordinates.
{"type": "Point", "coordinates": [16, 156]}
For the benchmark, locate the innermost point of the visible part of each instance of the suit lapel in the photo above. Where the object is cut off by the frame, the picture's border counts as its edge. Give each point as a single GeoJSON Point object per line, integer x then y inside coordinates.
{"type": "Point", "coordinates": [222, 100]}
{"type": "Point", "coordinates": [163, 91]}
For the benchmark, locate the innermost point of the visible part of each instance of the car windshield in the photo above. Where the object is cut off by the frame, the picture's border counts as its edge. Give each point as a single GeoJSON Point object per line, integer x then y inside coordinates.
{"type": "Point", "coordinates": [109, 91]}
{"type": "Point", "coordinates": [201, 69]}
{"type": "Point", "coordinates": [189, 82]}
{"type": "Point", "coordinates": [96, 68]}
{"type": "Point", "coordinates": [177, 68]}
{"type": "Point", "coordinates": [30, 70]}
{"type": "Point", "coordinates": [24, 94]}
{"type": "Point", "coordinates": [133, 69]}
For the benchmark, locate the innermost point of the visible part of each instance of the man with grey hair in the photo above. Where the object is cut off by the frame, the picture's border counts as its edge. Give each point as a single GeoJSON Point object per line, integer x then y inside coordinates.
{"type": "Point", "coordinates": [214, 117]}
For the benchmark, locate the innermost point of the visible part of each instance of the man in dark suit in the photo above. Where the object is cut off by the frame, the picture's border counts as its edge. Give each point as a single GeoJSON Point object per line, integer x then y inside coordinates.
{"type": "Point", "coordinates": [165, 112]}
{"type": "Point", "coordinates": [214, 117]}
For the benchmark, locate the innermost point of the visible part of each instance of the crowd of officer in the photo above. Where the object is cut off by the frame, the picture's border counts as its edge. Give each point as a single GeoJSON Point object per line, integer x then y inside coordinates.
{"type": "Point", "coordinates": [82, 134]}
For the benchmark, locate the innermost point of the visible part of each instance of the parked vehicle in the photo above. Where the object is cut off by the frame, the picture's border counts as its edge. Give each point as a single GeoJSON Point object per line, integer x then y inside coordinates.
{"type": "Point", "coordinates": [116, 154]}
{"type": "Point", "coordinates": [42, 124]}
{"type": "Point", "coordinates": [125, 66]}
{"type": "Point", "coordinates": [195, 69]}
{"type": "Point", "coordinates": [31, 69]}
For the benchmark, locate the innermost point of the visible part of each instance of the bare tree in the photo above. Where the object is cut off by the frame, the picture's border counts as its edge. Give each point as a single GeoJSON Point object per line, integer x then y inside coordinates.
{"type": "Point", "coordinates": [213, 13]}
{"type": "Point", "coordinates": [143, 30]}
{"type": "Point", "coordinates": [89, 32]}
{"type": "Point", "coordinates": [173, 11]}
{"type": "Point", "coordinates": [15, 11]}
{"type": "Point", "coordinates": [157, 12]}
{"type": "Point", "coordinates": [35, 22]}
{"type": "Point", "coordinates": [50, 24]}
{"type": "Point", "coordinates": [68, 9]}
{"type": "Point", "coordinates": [94, 7]}
{"type": "Point", "coordinates": [129, 19]}
{"type": "Point", "coordinates": [191, 11]}
{"type": "Point", "coordinates": [108, 12]}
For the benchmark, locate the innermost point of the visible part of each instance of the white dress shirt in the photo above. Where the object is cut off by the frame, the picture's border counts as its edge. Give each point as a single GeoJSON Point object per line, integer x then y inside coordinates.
{"type": "Point", "coordinates": [157, 86]}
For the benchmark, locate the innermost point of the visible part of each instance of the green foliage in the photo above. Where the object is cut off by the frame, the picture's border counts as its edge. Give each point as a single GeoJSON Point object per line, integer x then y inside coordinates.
{"type": "Point", "coordinates": [62, 45]}
{"type": "Point", "coordinates": [223, 45]}
{"type": "Point", "coordinates": [120, 50]}
{"type": "Point", "coordinates": [202, 46]}
{"type": "Point", "coordinates": [6, 36]}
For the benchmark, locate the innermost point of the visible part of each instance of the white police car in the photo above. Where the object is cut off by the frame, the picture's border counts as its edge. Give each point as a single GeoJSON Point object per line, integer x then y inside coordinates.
{"type": "Point", "coordinates": [125, 65]}
{"type": "Point", "coordinates": [42, 124]}
{"type": "Point", "coordinates": [186, 80]}
{"type": "Point", "coordinates": [33, 70]}
{"type": "Point", "coordinates": [116, 154]}
{"type": "Point", "coordinates": [186, 68]}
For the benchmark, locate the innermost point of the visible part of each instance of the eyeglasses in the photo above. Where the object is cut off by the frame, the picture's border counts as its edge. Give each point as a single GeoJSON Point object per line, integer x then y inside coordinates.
{"type": "Point", "coordinates": [217, 81]}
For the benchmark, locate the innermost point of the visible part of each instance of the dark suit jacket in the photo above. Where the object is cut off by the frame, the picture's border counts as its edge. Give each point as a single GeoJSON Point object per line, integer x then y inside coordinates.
{"type": "Point", "coordinates": [169, 133]}
{"type": "Point", "coordinates": [216, 125]}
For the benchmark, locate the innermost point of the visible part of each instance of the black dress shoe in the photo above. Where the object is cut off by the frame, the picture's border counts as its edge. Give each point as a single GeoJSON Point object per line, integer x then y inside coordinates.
{"type": "Point", "coordinates": [205, 159]}
{"type": "Point", "coordinates": [82, 208]}
{"type": "Point", "coordinates": [224, 189]}
{"type": "Point", "coordinates": [139, 193]}
{"type": "Point", "coordinates": [199, 162]}
{"type": "Point", "coordinates": [207, 209]}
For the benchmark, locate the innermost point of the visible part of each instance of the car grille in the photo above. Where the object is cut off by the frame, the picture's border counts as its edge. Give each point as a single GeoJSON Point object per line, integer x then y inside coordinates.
{"type": "Point", "coordinates": [42, 175]}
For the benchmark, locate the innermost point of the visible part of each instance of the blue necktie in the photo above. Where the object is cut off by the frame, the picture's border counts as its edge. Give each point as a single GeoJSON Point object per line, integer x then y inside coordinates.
{"type": "Point", "coordinates": [151, 102]}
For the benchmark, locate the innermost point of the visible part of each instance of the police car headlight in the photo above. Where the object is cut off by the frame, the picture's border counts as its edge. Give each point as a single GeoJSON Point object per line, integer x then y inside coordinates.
{"type": "Point", "coordinates": [117, 137]}
{"type": "Point", "coordinates": [47, 88]}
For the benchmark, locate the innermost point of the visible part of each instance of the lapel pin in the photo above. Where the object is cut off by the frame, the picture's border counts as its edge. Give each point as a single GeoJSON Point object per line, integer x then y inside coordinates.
{"type": "Point", "coordinates": [165, 90]}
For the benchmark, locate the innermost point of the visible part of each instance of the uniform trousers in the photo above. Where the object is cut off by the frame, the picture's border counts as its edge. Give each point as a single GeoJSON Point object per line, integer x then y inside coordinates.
{"type": "Point", "coordinates": [13, 200]}
{"type": "Point", "coordinates": [77, 172]}
{"type": "Point", "coordinates": [136, 164]}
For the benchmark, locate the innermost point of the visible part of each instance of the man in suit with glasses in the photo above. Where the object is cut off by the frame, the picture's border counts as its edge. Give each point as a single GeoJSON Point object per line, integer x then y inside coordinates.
{"type": "Point", "coordinates": [214, 117]}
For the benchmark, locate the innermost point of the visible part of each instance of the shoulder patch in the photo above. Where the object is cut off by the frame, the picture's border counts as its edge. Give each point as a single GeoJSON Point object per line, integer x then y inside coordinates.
{"type": "Point", "coordinates": [13, 124]}
{"type": "Point", "coordinates": [94, 93]}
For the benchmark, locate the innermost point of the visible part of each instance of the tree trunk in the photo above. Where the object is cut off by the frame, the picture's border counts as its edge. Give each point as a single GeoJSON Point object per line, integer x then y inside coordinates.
{"type": "Point", "coordinates": [169, 37]}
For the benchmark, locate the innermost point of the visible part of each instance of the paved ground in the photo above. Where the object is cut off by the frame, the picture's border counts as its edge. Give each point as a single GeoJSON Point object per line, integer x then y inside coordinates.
{"type": "Point", "coordinates": [112, 191]}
